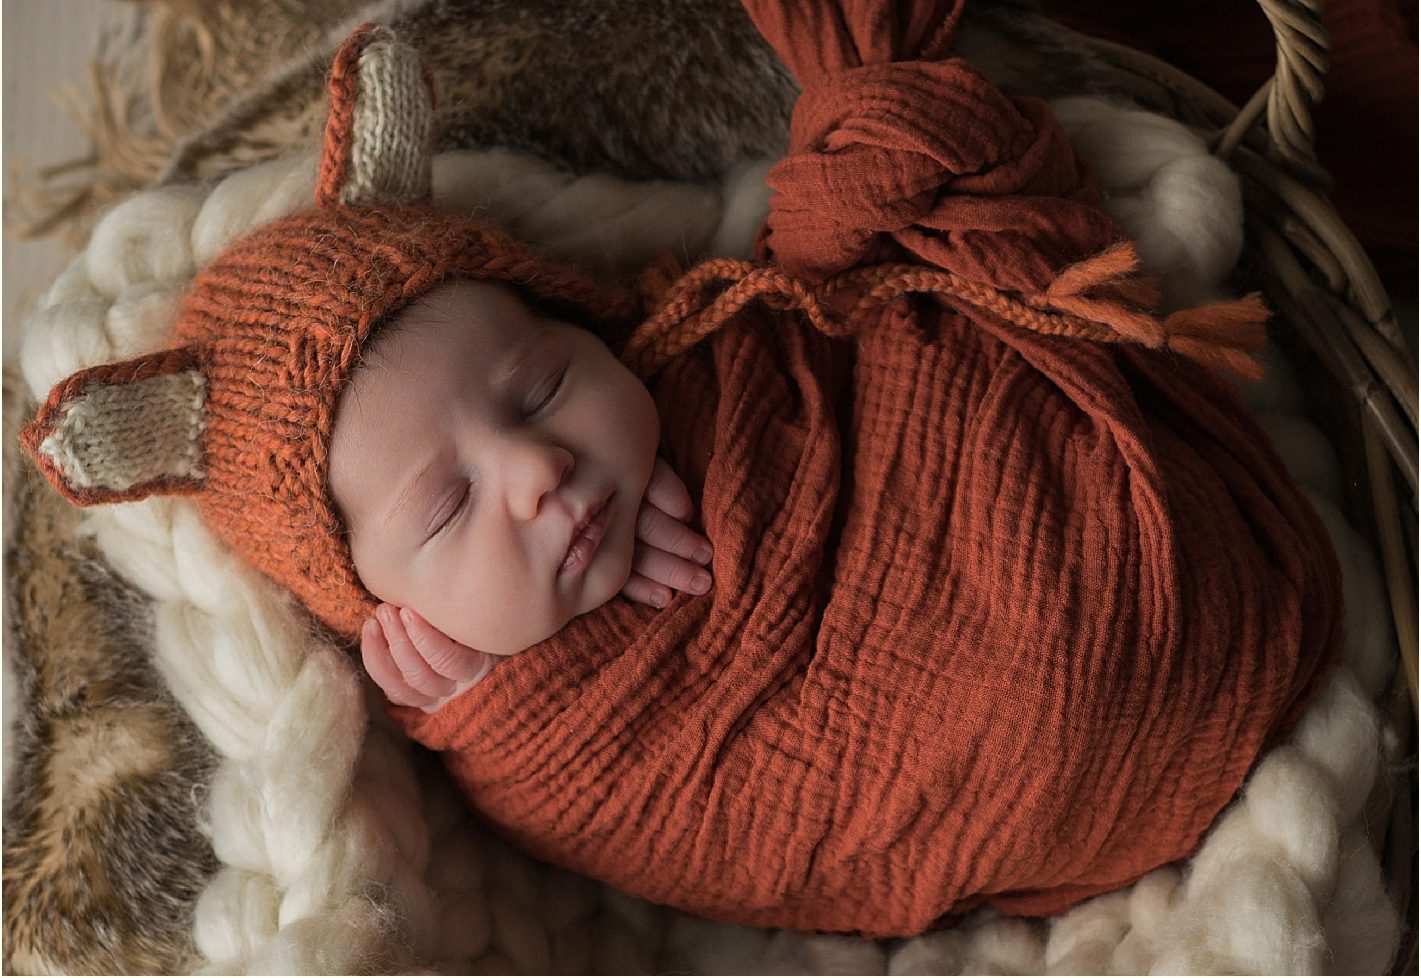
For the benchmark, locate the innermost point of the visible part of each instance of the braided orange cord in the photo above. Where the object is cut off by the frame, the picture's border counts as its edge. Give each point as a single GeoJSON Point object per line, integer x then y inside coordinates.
{"type": "Point", "coordinates": [683, 319]}
{"type": "Point", "coordinates": [1220, 335]}
{"type": "Point", "coordinates": [891, 281]}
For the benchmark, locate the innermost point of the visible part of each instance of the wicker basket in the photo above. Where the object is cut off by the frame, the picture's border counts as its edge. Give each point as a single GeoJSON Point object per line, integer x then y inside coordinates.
{"type": "Point", "coordinates": [1335, 324]}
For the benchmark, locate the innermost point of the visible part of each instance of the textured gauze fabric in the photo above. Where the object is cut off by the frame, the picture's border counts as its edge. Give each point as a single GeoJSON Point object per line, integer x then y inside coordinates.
{"type": "Point", "coordinates": [999, 617]}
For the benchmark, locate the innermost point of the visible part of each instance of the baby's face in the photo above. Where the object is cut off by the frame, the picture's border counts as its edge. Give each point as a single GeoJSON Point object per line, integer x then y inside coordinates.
{"type": "Point", "coordinates": [490, 463]}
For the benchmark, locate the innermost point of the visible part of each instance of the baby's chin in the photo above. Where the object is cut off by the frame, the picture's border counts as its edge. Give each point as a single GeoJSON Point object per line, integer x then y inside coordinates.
{"type": "Point", "coordinates": [610, 573]}
{"type": "Point", "coordinates": [506, 647]}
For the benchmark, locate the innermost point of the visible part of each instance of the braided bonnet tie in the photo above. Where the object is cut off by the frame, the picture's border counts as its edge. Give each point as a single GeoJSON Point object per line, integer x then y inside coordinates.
{"type": "Point", "coordinates": [910, 172]}
{"type": "Point", "coordinates": [1099, 299]}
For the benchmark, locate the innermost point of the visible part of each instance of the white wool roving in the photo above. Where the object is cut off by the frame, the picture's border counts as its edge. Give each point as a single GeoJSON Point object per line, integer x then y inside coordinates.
{"type": "Point", "coordinates": [1181, 205]}
{"type": "Point", "coordinates": [327, 824]}
{"type": "Point", "coordinates": [604, 225]}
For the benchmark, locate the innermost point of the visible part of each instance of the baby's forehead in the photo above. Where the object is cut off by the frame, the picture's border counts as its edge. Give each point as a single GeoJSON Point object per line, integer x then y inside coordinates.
{"type": "Point", "coordinates": [497, 312]}
{"type": "Point", "coordinates": [463, 300]}
{"type": "Point", "coordinates": [502, 312]}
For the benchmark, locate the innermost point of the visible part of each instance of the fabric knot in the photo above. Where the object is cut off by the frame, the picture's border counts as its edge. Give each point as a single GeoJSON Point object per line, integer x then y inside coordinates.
{"type": "Point", "coordinates": [931, 159]}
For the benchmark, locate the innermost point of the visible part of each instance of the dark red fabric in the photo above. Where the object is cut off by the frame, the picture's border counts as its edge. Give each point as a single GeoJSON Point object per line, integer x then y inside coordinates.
{"type": "Point", "coordinates": [999, 617]}
{"type": "Point", "coordinates": [918, 156]}
{"type": "Point", "coordinates": [1367, 133]}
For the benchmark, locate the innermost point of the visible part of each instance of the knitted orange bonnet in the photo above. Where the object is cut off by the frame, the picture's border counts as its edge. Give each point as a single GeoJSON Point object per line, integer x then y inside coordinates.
{"type": "Point", "coordinates": [238, 411]}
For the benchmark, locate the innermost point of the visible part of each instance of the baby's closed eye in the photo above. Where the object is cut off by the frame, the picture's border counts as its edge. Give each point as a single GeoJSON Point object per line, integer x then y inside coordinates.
{"type": "Point", "coordinates": [449, 511]}
{"type": "Point", "coordinates": [545, 392]}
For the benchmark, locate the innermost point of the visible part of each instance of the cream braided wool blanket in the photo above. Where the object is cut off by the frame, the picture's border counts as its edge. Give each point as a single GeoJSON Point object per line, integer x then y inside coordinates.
{"type": "Point", "coordinates": [342, 851]}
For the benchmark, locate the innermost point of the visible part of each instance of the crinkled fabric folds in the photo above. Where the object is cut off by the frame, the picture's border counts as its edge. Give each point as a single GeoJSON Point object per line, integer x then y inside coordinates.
{"type": "Point", "coordinates": [999, 617]}
{"type": "Point", "coordinates": [1012, 628]}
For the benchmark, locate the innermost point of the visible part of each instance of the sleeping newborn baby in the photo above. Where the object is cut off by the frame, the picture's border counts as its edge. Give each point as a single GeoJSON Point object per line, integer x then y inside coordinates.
{"type": "Point", "coordinates": [1010, 591]}
{"type": "Point", "coordinates": [495, 469]}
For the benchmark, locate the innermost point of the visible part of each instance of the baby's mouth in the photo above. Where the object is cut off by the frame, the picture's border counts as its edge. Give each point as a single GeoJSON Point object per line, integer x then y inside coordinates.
{"type": "Point", "coordinates": [586, 537]}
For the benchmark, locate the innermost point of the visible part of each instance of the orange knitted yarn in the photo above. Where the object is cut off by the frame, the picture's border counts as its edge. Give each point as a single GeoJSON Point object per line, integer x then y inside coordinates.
{"type": "Point", "coordinates": [280, 319]}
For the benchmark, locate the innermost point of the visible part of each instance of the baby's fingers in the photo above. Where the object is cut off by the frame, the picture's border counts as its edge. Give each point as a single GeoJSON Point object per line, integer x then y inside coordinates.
{"type": "Point", "coordinates": [380, 664]}
{"type": "Point", "coordinates": [641, 588]}
{"type": "Point", "coordinates": [663, 532]}
{"type": "Point", "coordinates": [667, 569]}
{"type": "Point", "coordinates": [445, 657]}
{"type": "Point", "coordinates": [411, 662]}
{"type": "Point", "coordinates": [667, 492]}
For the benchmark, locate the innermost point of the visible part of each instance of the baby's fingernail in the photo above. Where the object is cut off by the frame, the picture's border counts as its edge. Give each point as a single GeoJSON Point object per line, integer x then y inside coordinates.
{"type": "Point", "coordinates": [702, 555]}
{"type": "Point", "coordinates": [406, 617]}
{"type": "Point", "coordinates": [701, 583]}
{"type": "Point", "coordinates": [659, 599]}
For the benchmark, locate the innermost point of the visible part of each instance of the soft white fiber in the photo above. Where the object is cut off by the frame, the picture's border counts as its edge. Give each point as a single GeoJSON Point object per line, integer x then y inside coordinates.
{"type": "Point", "coordinates": [1312, 461]}
{"type": "Point", "coordinates": [343, 851]}
{"type": "Point", "coordinates": [1369, 643]}
{"type": "Point", "coordinates": [1083, 940]}
{"type": "Point", "coordinates": [1361, 911]}
{"type": "Point", "coordinates": [143, 241]}
{"type": "Point", "coordinates": [746, 201]}
{"type": "Point", "coordinates": [605, 225]}
{"type": "Point", "coordinates": [1341, 735]}
{"type": "Point", "coordinates": [71, 331]}
{"type": "Point", "coordinates": [1180, 204]}
{"type": "Point", "coordinates": [252, 197]}
{"type": "Point", "coordinates": [1290, 809]}
{"type": "Point", "coordinates": [141, 316]}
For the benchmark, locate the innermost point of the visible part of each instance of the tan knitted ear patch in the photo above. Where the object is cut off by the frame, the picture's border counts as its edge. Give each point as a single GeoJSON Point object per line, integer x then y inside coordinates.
{"type": "Point", "coordinates": [379, 135]}
{"type": "Point", "coordinates": [123, 431]}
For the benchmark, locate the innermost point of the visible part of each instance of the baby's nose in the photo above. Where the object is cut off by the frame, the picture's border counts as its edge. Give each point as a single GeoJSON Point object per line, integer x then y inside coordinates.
{"type": "Point", "coordinates": [535, 470]}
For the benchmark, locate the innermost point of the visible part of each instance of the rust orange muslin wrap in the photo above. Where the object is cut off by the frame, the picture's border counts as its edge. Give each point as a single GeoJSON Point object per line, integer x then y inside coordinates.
{"type": "Point", "coordinates": [1002, 614]}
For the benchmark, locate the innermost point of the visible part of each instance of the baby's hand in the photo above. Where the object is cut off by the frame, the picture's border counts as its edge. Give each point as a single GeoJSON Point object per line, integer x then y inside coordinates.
{"type": "Point", "coordinates": [668, 554]}
{"type": "Point", "coordinates": [415, 663]}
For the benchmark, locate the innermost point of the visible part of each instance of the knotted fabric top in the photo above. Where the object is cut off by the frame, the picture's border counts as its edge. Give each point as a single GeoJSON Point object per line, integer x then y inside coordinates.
{"type": "Point", "coordinates": [894, 151]}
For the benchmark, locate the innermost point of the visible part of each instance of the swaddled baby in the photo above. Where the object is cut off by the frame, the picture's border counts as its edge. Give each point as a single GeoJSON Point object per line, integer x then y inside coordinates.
{"type": "Point", "coordinates": [1009, 590]}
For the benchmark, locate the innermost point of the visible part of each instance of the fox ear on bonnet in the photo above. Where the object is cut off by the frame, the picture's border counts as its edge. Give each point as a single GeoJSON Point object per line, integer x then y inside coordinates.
{"type": "Point", "coordinates": [238, 413]}
{"type": "Point", "coordinates": [123, 431]}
